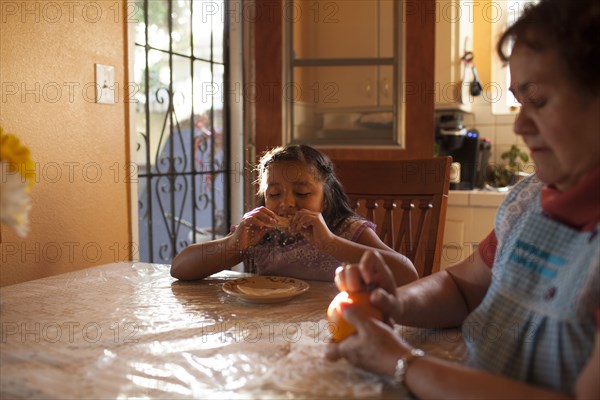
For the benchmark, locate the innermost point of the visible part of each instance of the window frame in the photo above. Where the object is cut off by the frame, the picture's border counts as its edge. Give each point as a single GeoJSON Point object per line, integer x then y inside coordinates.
{"type": "Point", "coordinates": [504, 102]}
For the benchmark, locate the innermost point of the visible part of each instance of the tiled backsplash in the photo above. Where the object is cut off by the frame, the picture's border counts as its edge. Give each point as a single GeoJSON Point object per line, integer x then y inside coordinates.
{"type": "Point", "coordinates": [497, 128]}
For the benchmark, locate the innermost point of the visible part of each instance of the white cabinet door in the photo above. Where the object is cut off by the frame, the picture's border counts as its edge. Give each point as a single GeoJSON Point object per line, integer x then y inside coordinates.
{"type": "Point", "coordinates": [453, 37]}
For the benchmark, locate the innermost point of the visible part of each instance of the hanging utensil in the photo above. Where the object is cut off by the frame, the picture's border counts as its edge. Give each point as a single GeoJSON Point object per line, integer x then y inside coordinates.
{"type": "Point", "coordinates": [475, 87]}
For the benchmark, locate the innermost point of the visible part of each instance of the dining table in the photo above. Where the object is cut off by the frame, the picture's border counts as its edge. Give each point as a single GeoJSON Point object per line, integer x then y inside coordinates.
{"type": "Point", "coordinates": [130, 330]}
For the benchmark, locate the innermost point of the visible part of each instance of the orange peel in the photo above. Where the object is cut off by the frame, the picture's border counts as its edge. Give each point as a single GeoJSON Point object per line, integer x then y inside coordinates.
{"type": "Point", "coordinates": [339, 328]}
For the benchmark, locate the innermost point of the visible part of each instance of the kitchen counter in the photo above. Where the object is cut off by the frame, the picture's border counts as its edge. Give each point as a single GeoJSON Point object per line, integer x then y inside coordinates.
{"type": "Point", "coordinates": [475, 198]}
{"type": "Point", "coordinates": [470, 217]}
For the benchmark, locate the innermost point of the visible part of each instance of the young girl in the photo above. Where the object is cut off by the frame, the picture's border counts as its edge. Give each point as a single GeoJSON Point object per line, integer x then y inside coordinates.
{"type": "Point", "coordinates": [304, 228]}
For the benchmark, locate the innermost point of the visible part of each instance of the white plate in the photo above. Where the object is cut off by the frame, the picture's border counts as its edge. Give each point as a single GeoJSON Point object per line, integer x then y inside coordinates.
{"type": "Point", "coordinates": [265, 289]}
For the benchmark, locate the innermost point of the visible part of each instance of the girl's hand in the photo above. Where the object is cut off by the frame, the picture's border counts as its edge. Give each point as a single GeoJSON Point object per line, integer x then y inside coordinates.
{"type": "Point", "coordinates": [253, 226]}
{"type": "Point", "coordinates": [374, 347]}
{"type": "Point", "coordinates": [313, 227]}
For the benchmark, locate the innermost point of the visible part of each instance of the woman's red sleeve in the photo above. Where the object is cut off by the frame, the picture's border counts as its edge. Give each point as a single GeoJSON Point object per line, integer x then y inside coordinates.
{"type": "Point", "coordinates": [487, 248]}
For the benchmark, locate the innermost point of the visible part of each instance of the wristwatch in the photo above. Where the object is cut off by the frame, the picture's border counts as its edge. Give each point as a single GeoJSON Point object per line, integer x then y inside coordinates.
{"type": "Point", "coordinates": [403, 363]}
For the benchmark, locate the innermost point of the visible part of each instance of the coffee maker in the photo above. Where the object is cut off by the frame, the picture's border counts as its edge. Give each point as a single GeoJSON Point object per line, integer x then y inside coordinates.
{"type": "Point", "coordinates": [465, 146]}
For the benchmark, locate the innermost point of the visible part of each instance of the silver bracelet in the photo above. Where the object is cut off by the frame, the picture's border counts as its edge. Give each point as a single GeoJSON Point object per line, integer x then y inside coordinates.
{"type": "Point", "coordinates": [403, 363]}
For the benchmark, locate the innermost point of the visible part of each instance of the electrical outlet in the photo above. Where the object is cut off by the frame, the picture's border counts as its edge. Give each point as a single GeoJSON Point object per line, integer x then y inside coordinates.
{"type": "Point", "coordinates": [105, 84]}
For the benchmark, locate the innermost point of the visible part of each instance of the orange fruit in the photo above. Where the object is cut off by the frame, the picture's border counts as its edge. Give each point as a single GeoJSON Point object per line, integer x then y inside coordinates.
{"type": "Point", "coordinates": [340, 328]}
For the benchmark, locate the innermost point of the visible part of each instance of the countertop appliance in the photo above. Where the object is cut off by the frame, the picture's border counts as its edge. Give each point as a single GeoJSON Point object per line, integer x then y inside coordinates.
{"type": "Point", "coordinates": [466, 147]}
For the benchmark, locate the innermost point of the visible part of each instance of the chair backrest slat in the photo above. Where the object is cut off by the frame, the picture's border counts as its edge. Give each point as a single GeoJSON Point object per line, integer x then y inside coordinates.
{"type": "Point", "coordinates": [413, 195]}
{"type": "Point", "coordinates": [404, 242]}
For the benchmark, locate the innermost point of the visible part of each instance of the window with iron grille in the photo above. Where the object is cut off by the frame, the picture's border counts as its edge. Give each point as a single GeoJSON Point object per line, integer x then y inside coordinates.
{"type": "Point", "coordinates": [181, 73]}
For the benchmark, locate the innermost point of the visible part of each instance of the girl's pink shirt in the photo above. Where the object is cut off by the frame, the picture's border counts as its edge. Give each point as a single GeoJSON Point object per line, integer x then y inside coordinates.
{"type": "Point", "coordinates": [295, 257]}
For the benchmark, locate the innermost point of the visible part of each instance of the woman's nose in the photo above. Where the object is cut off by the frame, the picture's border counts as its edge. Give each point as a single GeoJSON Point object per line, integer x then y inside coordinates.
{"type": "Point", "coordinates": [523, 125]}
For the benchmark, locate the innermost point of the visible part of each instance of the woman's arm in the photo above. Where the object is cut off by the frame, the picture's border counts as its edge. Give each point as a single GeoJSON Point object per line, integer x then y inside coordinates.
{"type": "Point", "coordinates": [588, 382]}
{"type": "Point", "coordinates": [377, 348]}
{"type": "Point", "coordinates": [444, 299]}
{"type": "Point", "coordinates": [453, 381]}
{"type": "Point", "coordinates": [200, 260]}
{"type": "Point", "coordinates": [441, 300]}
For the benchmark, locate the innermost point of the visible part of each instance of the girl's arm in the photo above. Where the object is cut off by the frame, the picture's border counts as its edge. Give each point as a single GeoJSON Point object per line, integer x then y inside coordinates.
{"type": "Point", "coordinates": [200, 260]}
{"type": "Point", "coordinates": [312, 225]}
{"type": "Point", "coordinates": [348, 251]}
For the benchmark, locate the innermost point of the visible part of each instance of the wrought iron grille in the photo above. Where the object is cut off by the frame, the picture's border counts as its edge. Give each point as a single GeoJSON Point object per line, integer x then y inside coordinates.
{"type": "Point", "coordinates": [182, 125]}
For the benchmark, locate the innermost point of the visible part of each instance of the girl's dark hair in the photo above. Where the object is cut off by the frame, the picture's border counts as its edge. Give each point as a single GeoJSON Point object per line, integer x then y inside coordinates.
{"type": "Point", "coordinates": [569, 27]}
{"type": "Point", "coordinates": [337, 206]}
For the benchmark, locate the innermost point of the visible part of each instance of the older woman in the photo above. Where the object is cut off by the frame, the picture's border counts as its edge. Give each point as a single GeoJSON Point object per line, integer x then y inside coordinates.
{"type": "Point", "coordinates": [536, 277]}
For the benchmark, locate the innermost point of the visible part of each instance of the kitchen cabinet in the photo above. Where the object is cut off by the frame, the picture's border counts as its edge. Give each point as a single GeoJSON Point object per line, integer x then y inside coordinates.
{"type": "Point", "coordinates": [324, 40]}
{"type": "Point", "coordinates": [453, 37]}
{"type": "Point", "coordinates": [470, 217]}
{"type": "Point", "coordinates": [267, 113]}
{"type": "Point", "coordinates": [344, 67]}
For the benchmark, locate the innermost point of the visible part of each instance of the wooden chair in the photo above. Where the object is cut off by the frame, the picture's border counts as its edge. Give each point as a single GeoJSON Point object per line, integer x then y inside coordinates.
{"type": "Point", "coordinates": [413, 195]}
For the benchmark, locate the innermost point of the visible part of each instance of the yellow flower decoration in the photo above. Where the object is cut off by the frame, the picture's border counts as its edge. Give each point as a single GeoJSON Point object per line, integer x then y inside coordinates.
{"type": "Point", "coordinates": [17, 157]}
{"type": "Point", "coordinates": [17, 174]}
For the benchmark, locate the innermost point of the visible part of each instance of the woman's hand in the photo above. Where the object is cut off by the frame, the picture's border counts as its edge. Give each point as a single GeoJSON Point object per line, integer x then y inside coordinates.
{"type": "Point", "coordinates": [374, 347]}
{"type": "Point", "coordinates": [371, 273]}
{"type": "Point", "coordinates": [253, 226]}
{"type": "Point", "coordinates": [313, 227]}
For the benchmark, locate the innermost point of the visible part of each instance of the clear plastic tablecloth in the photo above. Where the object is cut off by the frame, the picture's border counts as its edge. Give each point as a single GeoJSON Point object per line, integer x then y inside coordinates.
{"type": "Point", "coordinates": [128, 330]}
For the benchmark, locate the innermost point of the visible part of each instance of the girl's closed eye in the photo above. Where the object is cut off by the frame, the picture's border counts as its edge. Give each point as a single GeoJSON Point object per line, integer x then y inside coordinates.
{"type": "Point", "coordinates": [273, 195]}
{"type": "Point", "coordinates": [306, 194]}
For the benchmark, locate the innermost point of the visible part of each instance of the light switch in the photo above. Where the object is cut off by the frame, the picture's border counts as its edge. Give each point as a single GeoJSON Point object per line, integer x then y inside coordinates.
{"type": "Point", "coordinates": [105, 84]}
